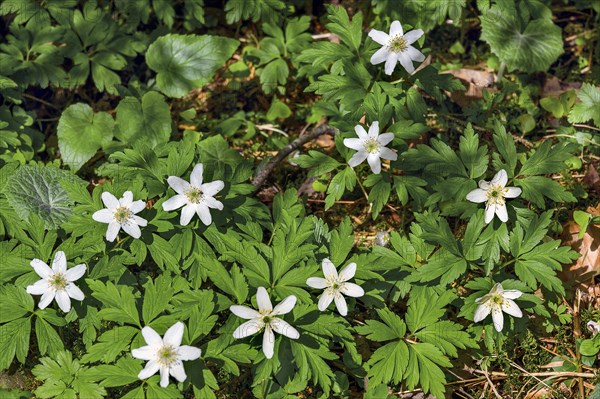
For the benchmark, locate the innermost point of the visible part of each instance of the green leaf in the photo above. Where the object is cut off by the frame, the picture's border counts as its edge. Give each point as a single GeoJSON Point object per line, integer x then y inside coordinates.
{"type": "Point", "coordinates": [185, 62]}
{"type": "Point", "coordinates": [535, 188]}
{"type": "Point", "coordinates": [14, 341]}
{"type": "Point", "coordinates": [37, 190]}
{"type": "Point", "coordinates": [110, 345]}
{"type": "Point", "coordinates": [533, 49]}
{"type": "Point", "coordinates": [475, 158]}
{"type": "Point", "coordinates": [379, 194]}
{"type": "Point", "coordinates": [124, 372]}
{"type": "Point", "coordinates": [583, 220]}
{"type": "Point", "coordinates": [148, 121]}
{"type": "Point", "coordinates": [278, 110]}
{"type": "Point", "coordinates": [424, 368]}
{"type": "Point", "coordinates": [349, 32]}
{"type": "Point", "coordinates": [344, 180]}
{"type": "Point", "coordinates": [81, 133]}
{"type": "Point", "coordinates": [119, 302]}
{"type": "Point", "coordinates": [317, 162]}
{"type": "Point", "coordinates": [589, 107]}
{"type": "Point", "coordinates": [548, 159]}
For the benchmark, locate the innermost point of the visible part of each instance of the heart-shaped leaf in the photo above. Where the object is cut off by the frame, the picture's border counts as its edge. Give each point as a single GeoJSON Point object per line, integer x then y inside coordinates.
{"type": "Point", "coordinates": [184, 62]}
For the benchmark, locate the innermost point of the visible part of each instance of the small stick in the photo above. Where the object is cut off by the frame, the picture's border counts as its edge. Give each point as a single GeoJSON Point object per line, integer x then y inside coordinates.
{"type": "Point", "coordinates": [262, 176]}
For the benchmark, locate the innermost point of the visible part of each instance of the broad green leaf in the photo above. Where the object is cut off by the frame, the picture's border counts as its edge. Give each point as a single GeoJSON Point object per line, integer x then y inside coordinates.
{"type": "Point", "coordinates": [589, 107]}
{"type": "Point", "coordinates": [185, 62]}
{"type": "Point", "coordinates": [37, 190]}
{"type": "Point", "coordinates": [533, 49]}
{"type": "Point", "coordinates": [148, 121]}
{"type": "Point", "coordinates": [81, 133]}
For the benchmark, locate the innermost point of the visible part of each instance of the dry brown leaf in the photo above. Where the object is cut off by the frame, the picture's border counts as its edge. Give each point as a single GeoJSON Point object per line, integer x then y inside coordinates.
{"type": "Point", "coordinates": [476, 81]}
{"type": "Point", "coordinates": [554, 87]}
{"type": "Point", "coordinates": [592, 179]}
{"type": "Point", "coordinates": [581, 274]}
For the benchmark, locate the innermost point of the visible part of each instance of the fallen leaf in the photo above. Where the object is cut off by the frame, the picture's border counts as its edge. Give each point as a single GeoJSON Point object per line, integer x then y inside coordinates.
{"type": "Point", "coordinates": [592, 179]}
{"type": "Point", "coordinates": [476, 81]}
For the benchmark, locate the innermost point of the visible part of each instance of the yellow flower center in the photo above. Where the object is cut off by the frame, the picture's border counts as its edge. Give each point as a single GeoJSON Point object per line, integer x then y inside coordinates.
{"type": "Point", "coordinates": [372, 146]}
{"type": "Point", "coordinates": [498, 300]}
{"type": "Point", "coordinates": [167, 355]}
{"type": "Point", "coordinates": [495, 195]}
{"type": "Point", "coordinates": [397, 44]}
{"type": "Point", "coordinates": [194, 195]}
{"type": "Point", "coordinates": [58, 281]}
{"type": "Point", "coordinates": [122, 214]}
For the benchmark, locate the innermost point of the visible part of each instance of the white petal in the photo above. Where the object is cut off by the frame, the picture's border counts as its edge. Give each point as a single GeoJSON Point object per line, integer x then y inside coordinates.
{"type": "Point", "coordinates": [361, 132]}
{"type": "Point", "coordinates": [348, 272]}
{"type": "Point", "coordinates": [512, 192]}
{"type": "Point", "coordinates": [196, 176]}
{"type": "Point", "coordinates": [39, 287]}
{"type": "Point", "coordinates": [484, 185]}
{"type": "Point", "coordinates": [489, 213]}
{"type": "Point", "coordinates": [59, 264]}
{"type": "Point", "coordinates": [285, 306]}
{"type": "Point", "coordinates": [150, 369]}
{"type": "Point", "coordinates": [63, 300]}
{"type": "Point", "coordinates": [151, 337]}
{"type": "Point", "coordinates": [385, 138]}
{"type": "Point", "coordinates": [164, 376]}
{"type": "Point", "coordinates": [211, 189]}
{"type": "Point", "coordinates": [413, 36]}
{"type": "Point", "coordinates": [76, 272]}
{"type": "Point", "coordinates": [414, 54]}
{"type": "Point", "coordinates": [329, 269]}
{"type": "Point", "coordinates": [510, 307]}
{"type": "Point", "coordinates": [478, 195]}
{"type": "Point", "coordinates": [386, 153]}
{"type": "Point", "coordinates": [103, 216]}
{"type": "Point", "coordinates": [174, 334]}
{"type": "Point", "coordinates": [268, 343]}
{"type": "Point", "coordinates": [317, 282]}
{"type": "Point", "coordinates": [178, 372]}
{"type": "Point", "coordinates": [187, 352]}
{"type": "Point", "coordinates": [144, 353]}
{"type": "Point", "coordinates": [187, 213]}
{"type": "Point", "coordinates": [178, 184]}
{"type": "Point", "coordinates": [340, 304]}
{"type": "Point", "coordinates": [481, 312]}
{"type": "Point", "coordinates": [353, 290]}
{"type": "Point", "coordinates": [374, 130]}
{"type": "Point", "coordinates": [512, 294]}
{"type": "Point", "coordinates": [354, 144]}
{"type": "Point", "coordinates": [406, 62]}
{"type": "Point", "coordinates": [204, 214]}
{"type": "Point", "coordinates": [325, 300]}
{"type": "Point", "coordinates": [41, 268]}
{"type": "Point", "coordinates": [213, 203]}
{"type": "Point", "coordinates": [374, 163]}
{"type": "Point", "coordinates": [175, 202]}
{"type": "Point", "coordinates": [284, 328]}
{"type": "Point", "coordinates": [390, 63]}
{"type": "Point", "coordinates": [127, 199]}
{"type": "Point", "coordinates": [248, 328]}
{"type": "Point", "coordinates": [396, 29]}
{"type": "Point", "coordinates": [74, 292]}
{"type": "Point", "coordinates": [112, 231]}
{"type": "Point", "coordinates": [502, 212]}
{"type": "Point", "coordinates": [137, 206]}
{"type": "Point", "coordinates": [110, 201]}
{"type": "Point", "coordinates": [380, 56]}
{"type": "Point", "coordinates": [357, 159]}
{"type": "Point", "coordinates": [46, 298]}
{"type": "Point", "coordinates": [497, 288]}
{"type": "Point", "coordinates": [132, 229]}
{"type": "Point", "coordinates": [379, 36]}
{"type": "Point", "coordinates": [500, 178]}
{"type": "Point", "coordinates": [498, 319]}
{"type": "Point", "coordinates": [139, 221]}
{"type": "Point", "coordinates": [244, 312]}
{"type": "Point", "coordinates": [263, 300]}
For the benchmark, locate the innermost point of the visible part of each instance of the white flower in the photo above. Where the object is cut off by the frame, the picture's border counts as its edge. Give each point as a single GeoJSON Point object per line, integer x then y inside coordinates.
{"type": "Point", "coordinates": [396, 47]}
{"type": "Point", "coordinates": [593, 327]}
{"type": "Point", "coordinates": [165, 354]}
{"type": "Point", "coordinates": [496, 302]}
{"type": "Point", "coordinates": [382, 239]}
{"type": "Point", "coordinates": [265, 317]}
{"type": "Point", "coordinates": [493, 194]}
{"type": "Point", "coordinates": [370, 146]}
{"type": "Point", "coordinates": [57, 282]}
{"type": "Point", "coordinates": [121, 214]}
{"type": "Point", "coordinates": [336, 286]}
{"type": "Point", "coordinates": [196, 197]}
